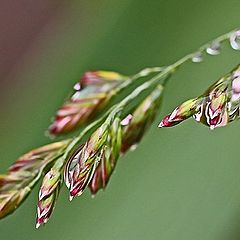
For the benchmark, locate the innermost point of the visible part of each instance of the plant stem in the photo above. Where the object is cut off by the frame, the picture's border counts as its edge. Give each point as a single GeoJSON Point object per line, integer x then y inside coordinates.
{"type": "Point", "coordinates": [163, 75]}
{"type": "Point", "coordinates": [165, 71]}
{"type": "Point", "coordinates": [143, 73]}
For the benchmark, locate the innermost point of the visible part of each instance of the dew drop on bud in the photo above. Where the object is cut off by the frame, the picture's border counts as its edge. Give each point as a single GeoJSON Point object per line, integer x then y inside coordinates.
{"type": "Point", "coordinates": [77, 86]}
{"type": "Point", "coordinates": [133, 147]}
{"type": "Point", "coordinates": [235, 40]}
{"type": "Point", "coordinates": [214, 48]}
{"type": "Point", "coordinates": [126, 120]}
{"type": "Point", "coordinates": [197, 58]}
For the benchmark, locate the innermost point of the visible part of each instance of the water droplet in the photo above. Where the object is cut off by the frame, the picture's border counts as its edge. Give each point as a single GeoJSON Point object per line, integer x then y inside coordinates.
{"type": "Point", "coordinates": [214, 48]}
{"type": "Point", "coordinates": [133, 147]}
{"type": "Point", "coordinates": [197, 58]}
{"type": "Point", "coordinates": [126, 120]}
{"type": "Point", "coordinates": [235, 40]}
{"type": "Point", "coordinates": [77, 86]}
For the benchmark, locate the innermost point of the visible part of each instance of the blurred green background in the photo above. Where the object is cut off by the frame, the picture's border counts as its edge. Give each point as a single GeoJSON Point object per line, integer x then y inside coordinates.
{"type": "Point", "coordinates": [181, 183]}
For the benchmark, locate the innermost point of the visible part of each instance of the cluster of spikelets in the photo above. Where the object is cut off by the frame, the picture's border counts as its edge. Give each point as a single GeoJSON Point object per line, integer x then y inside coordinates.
{"type": "Point", "coordinates": [217, 107]}
{"type": "Point", "coordinates": [90, 163]}
{"type": "Point", "coordinates": [93, 162]}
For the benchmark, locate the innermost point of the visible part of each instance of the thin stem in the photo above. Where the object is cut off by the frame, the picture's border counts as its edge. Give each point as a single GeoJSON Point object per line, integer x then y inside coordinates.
{"type": "Point", "coordinates": [143, 73]}
{"type": "Point", "coordinates": [219, 39]}
{"type": "Point", "coordinates": [163, 75]}
{"type": "Point", "coordinates": [165, 71]}
{"type": "Point", "coordinates": [146, 71]}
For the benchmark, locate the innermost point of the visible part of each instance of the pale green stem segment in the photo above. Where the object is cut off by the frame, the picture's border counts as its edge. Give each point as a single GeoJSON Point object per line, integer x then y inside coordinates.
{"type": "Point", "coordinates": [143, 73]}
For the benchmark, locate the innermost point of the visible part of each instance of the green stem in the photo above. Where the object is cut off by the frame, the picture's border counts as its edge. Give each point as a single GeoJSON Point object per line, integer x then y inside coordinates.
{"type": "Point", "coordinates": [165, 71]}
{"type": "Point", "coordinates": [146, 71]}
{"type": "Point", "coordinates": [163, 75]}
{"type": "Point", "coordinates": [143, 73]}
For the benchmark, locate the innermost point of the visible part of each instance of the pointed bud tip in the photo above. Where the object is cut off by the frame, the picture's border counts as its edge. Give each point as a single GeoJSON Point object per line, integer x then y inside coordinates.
{"type": "Point", "coordinates": [161, 125]}
{"type": "Point", "coordinates": [74, 194]}
{"type": "Point", "coordinates": [212, 127]}
{"type": "Point", "coordinates": [38, 225]}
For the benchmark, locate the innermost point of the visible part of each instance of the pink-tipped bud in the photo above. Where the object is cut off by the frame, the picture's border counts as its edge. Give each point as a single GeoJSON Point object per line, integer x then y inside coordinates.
{"type": "Point", "coordinates": [181, 113]}
{"type": "Point", "coordinates": [82, 164]}
{"type": "Point", "coordinates": [136, 124]}
{"type": "Point", "coordinates": [109, 158]}
{"type": "Point", "coordinates": [45, 207]}
{"type": "Point", "coordinates": [92, 94]}
{"type": "Point", "coordinates": [219, 105]}
{"type": "Point", "coordinates": [24, 174]}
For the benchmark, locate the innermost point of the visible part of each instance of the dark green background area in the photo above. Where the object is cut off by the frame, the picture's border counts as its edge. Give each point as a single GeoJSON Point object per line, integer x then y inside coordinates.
{"type": "Point", "coordinates": [181, 183]}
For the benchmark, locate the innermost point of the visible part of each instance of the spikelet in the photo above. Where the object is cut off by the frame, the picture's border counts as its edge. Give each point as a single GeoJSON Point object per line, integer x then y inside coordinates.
{"type": "Point", "coordinates": [93, 93]}
{"type": "Point", "coordinates": [24, 174]}
{"type": "Point", "coordinates": [217, 107]}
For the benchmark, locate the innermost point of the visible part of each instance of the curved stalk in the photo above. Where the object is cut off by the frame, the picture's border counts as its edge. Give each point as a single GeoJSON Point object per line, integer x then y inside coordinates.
{"type": "Point", "coordinates": [163, 75]}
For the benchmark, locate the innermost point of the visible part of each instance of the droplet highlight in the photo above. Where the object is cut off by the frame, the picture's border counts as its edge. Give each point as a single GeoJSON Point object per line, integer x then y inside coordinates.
{"type": "Point", "coordinates": [197, 58]}
{"type": "Point", "coordinates": [214, 48]}
{"type": "Point", "coordinates": [235, 40]}
{"type": "Point", "coordinates": [77, 87]}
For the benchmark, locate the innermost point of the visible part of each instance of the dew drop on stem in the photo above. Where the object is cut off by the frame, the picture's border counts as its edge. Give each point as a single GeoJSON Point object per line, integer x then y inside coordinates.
{"type": "Point", "coordinates": [214, 48]}
{"type": "Point", "coordinates": [235, 40]}
{"type": "Point", "coordinates": [197, 57]}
